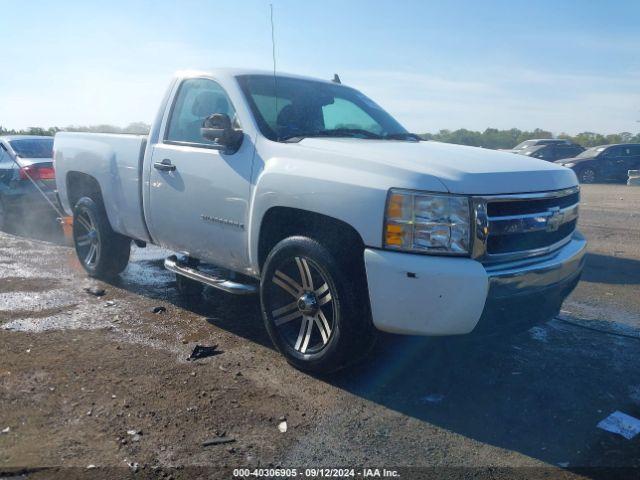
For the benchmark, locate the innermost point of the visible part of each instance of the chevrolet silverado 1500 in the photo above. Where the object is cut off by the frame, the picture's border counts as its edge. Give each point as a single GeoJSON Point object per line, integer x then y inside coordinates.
{"type": "Point", "coordinates": [309, 194]}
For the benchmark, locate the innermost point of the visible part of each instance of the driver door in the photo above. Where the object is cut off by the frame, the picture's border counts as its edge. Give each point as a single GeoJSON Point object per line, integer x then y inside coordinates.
{"type": "Point", "coordinates": [198, 193]}
{"type": "Point", "coordinates": [614, 163]}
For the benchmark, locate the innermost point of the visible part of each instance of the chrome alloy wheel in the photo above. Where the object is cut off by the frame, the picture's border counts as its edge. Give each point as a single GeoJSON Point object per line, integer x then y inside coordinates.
{"type": "Point", "coordinates": [87, 239]}
{"type": "Point", "coordinates": [588, 175]}
{"type": "Point", "coordinates": [301, 305]}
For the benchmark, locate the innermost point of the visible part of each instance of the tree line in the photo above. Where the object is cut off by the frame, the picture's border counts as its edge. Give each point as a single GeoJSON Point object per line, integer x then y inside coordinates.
{"type": "Point", "coordinates": [494, 138]}
{"type": "Point", "coordinates": [138, 128]}
{"type": "Point", "coordinates": [490, 138]}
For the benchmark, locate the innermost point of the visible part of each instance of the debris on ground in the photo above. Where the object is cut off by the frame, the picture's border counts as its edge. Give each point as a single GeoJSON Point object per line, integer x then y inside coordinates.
{"type": "Point", "coordinates": [539, 333]}
{"type": "Point", "coordinates": [201, 351]}
{"type": "Point", "coordinates": [159, 309]}
{"type": "Point", "coordinates": [109, 303]}
{"type": "Point", "coordinates": [622, 424]}
{"type": "Point", "coordinates": [218, 441]}
{"type": "Point", "coordinates": [135, 435]}
{"type": "Point", "coordinates": [432, 398]}
{"type": "Point", "coordinates": [282, 426]}
{"type": "Point", "coordinates": [6, 430]}
{"type": "Point", "coordinates": [95, 291]}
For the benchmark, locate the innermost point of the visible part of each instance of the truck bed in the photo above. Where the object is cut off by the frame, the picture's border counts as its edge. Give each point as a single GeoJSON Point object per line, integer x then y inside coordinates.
{"type": "Point", "coordinates": [115, 162]}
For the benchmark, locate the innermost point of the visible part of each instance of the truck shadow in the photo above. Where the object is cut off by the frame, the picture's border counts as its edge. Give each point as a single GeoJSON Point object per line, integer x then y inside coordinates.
{"type": "Point", "coordinates": [239, 315]}
{"type": "Point", "coordinates": [540, 393]}
{"type": "Point", "coordinates": [601, 268]}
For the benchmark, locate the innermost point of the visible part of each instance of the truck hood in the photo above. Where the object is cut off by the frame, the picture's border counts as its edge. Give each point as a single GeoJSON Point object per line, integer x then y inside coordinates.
{"type": "Point", "coordinates": [461, 169]}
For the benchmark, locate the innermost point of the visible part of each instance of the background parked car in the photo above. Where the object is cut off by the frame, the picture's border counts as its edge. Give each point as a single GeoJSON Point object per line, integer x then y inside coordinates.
{"type": "Point", "coordinates": [606, 162]}
{"type": "Point", "coordinates": [534, 142]}
{"type": "Point", "coordinates": [549, 149]}
{"type": "Point", "coordinates": [18, 195]}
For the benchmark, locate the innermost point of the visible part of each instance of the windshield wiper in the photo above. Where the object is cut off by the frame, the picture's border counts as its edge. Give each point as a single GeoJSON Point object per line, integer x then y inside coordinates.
{"type": "Point", "coordinates": [352, 133]}
{"type": "Point", "coordinates": [334, 132]}
{"type": "Point", "coordinates": [402, 136]}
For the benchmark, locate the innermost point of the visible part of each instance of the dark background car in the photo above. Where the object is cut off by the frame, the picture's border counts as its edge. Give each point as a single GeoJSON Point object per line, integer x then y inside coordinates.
{"type": "Point", "coordinates": [549, 149]}
{"type": "Point", "coordinates": [606, 162]}
{"type": "Point", "coordinates": [534, 142]}
{"type": "Point", "coordinates": [21, 157]}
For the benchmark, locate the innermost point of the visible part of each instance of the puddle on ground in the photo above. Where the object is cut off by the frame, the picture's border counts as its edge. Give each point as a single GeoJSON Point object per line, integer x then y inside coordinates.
{"type": "Point", "coordinates": [8, 315]}
{"type": "Point", "coordinates": [65, 317]}
{"type": "Point", "coordinates": [21, 284]}
{"type": "Point", "coordinates": [617, 317]}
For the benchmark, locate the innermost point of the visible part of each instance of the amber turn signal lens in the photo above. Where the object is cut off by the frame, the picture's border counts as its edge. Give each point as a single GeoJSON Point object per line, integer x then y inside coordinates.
{"type": "Point", "coordinates": [394, 208]}
{"type": "Point", "coordinates": [394, 235]}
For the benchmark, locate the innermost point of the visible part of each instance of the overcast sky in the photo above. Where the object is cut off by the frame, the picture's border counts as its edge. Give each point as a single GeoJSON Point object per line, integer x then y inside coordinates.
{"type": "Point", "coordinates": [565, 66]}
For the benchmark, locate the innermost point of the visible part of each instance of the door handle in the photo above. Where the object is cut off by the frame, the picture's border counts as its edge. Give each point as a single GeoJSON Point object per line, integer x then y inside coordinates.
{"type": "Point", "coordinates": [164, 166]}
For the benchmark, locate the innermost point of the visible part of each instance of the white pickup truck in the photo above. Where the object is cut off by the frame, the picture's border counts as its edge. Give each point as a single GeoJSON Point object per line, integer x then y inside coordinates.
{"type": "Point", "coordinates": [310, 194]}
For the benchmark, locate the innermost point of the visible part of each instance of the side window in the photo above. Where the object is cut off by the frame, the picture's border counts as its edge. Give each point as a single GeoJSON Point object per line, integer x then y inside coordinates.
{"type": "Point", "coordinates": [196, 100]}
{"type": "Point", "coordinates": [567, 151]}
{"type": "Point", "coordinates": [543, 154]}
{"type": "Point", "coordinates": [612, 152]}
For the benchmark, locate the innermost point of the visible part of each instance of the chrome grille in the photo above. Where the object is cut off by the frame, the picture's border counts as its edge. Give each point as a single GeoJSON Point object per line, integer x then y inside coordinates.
{"type": "Point", "coordinates": [511, 227]}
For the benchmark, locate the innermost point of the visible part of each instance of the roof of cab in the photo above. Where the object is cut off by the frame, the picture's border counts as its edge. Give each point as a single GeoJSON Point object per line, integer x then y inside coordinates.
{"type": "Point", "coordinates": [238, 72]}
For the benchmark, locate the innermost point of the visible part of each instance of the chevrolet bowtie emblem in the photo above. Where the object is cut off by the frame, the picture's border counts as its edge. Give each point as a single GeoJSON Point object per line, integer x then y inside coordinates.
{"type": "Point", "coordinates": [555, 219]}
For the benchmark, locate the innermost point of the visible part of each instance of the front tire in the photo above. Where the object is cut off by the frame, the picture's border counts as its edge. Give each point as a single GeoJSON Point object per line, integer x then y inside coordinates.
{"type": "Point", "coordinates": [102, 252]}
{"type": "Point", "coordinates": [314, 306]}
{"type": "Point", "coordinates": [587, 175]}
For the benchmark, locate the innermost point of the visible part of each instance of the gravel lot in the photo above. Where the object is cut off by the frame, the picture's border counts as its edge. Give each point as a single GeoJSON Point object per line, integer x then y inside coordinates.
{"type": "Point", "coordinates": [104, 381]}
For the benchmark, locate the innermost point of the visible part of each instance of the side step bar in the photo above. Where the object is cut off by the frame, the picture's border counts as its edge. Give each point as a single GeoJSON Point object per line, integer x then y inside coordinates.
{"type": "Point", "coordinates": [173, 264]}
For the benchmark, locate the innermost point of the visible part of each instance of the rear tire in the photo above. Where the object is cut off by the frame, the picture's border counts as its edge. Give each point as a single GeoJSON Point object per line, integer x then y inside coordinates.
{"type": "Point", "coordinates": [102, 252]}
{"type": "Point", "coordinates": [315, 305]}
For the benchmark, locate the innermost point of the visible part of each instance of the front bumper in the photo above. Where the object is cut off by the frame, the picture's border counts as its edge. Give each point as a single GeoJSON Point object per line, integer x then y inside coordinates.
{"type": "Point", "coordinates": [430, 295]}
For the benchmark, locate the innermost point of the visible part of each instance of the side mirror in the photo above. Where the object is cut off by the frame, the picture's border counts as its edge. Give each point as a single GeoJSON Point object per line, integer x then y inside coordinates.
{"type": "Point", "coordinates": [217, 128]}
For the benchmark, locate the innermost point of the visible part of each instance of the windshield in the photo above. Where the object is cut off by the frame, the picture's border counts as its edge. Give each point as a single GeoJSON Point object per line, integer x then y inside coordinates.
{"type": "Point", "coordinates": [33, 147]}
{"type": "Point", "coordinates": [591, 152]}
{"type": "Point", "coordinates": [525, 144]}
{"type": "Point", "coordinates": [303, 108]}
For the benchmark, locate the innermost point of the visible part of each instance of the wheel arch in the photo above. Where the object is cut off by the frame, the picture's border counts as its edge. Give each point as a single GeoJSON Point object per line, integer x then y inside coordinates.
{"type": "Point", "coordinates": [280, 222]}
{"type": "Point", "coordinates": [82, 185]}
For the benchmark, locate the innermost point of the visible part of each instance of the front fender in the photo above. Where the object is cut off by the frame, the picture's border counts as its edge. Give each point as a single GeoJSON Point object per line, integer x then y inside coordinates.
{"type": "Point", "coordinates": [360, 206]}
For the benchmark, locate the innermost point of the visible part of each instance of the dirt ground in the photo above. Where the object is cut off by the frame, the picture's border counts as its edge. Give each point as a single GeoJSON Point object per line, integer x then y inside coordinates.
{"type": "Point", "coordinates": [100, 387]}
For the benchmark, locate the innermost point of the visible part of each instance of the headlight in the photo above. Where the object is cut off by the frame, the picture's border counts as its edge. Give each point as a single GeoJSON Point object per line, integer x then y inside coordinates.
{"type": "Point", "coordinates": [427, 223]}
{"type": "Point", "coordinates": [569, 165]}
